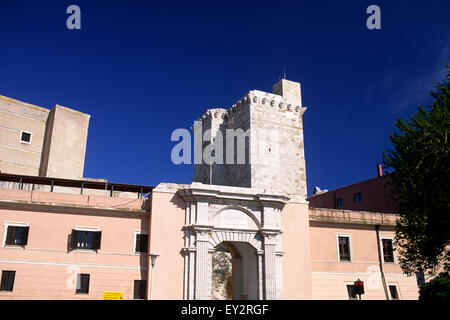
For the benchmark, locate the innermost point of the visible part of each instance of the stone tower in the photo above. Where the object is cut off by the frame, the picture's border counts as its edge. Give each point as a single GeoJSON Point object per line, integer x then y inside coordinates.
{"type": "Point", "coordinates": [262, 139]}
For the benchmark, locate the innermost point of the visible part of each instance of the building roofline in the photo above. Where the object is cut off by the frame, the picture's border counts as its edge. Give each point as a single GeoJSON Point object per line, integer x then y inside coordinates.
{"type": "Point", "coordinates": [87, 184]}
{"type": "Point", "coordinates": [24, 103]}
{"type": "Point", "coordinates": [350, 185]}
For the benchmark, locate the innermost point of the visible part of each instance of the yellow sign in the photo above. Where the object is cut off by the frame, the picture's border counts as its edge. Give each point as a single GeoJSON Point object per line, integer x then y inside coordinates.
{"type": "Point", "coordinates": [107, 295]}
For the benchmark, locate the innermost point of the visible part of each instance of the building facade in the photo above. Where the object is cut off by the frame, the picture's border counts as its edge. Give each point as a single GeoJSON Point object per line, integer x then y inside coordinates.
{"type": "Point", "coordinates": [42, 142]}
{"type": "Point", "coordinates": [85, 245]}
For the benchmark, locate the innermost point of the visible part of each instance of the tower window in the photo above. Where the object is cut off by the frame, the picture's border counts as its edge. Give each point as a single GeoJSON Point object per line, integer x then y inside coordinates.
{"type": "Point", "coordinates": [25, 137]}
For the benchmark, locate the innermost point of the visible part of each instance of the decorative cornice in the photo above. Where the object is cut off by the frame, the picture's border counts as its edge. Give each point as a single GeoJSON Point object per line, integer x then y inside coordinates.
{"type": "Point", "coordinates": [251, 98]}
{"type": "Point", "coordinates": [198, 191]}
{"type": "Point", "coordinates": [202, 229]}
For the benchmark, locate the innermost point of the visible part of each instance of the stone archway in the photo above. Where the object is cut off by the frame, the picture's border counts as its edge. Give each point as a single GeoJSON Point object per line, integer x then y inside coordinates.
{"type": "Point", "coordinates": [234, 272]}
{"type": "Point", "coordinates": [245, 218]}
{"type": "Point", "coordinates": [246, 260]}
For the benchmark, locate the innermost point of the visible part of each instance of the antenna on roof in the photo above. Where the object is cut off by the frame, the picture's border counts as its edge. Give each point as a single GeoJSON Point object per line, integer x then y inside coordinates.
{"type": "Point", "coordinates": [284, 72]}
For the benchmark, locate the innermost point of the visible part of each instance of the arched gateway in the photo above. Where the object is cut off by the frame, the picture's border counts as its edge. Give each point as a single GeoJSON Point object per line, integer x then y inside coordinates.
{"type": "Point", "coordinates": [249, 221]}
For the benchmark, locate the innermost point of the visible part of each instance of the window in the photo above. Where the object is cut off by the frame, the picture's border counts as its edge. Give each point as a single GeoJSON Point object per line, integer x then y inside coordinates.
{"type": "Point", "coordinates": [344, 248]}
{"type": "Point", "coordinates": [394, 292]}
{"type": "Point", "coordinates": [140, 289]}
{"type": "Point", "coordinates": [25, 137]}
{"type": "Point", "coordinates": [388, 250]}
{"type": "Point", "coordinates": [339, 203]}
{"type": "Point", "coordinates": [16, 235]}
{"type": "Point", "coordinates": [81, 239]}
{"type": "Point", "coordinates": [351, 293]}
{"type": "Point", "coordinates": [357, 197]}
{"type": "Point", "coordinates": [141, 242]}
{"type": "Point", "coordinates": [82, 283]}
{"type": "Point", "coordinates": [7, 283]}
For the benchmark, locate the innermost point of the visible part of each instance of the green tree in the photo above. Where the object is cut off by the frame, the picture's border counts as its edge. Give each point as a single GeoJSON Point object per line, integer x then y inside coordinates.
{"type": "Point", "coordinates": [436, 289]}
{"type": "Point", "coordinates": [421, 184]}
{"type": "Point", "coordinates": [222, 272]}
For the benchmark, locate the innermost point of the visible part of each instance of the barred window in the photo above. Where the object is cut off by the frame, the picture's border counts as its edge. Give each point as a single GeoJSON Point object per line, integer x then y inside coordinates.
{"type": "Point", "coordinates": [7, 283]}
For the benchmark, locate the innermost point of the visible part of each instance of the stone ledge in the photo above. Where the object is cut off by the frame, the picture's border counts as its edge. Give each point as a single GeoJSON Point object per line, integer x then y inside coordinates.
{"type": "Point", "coordinates": [351, 217]}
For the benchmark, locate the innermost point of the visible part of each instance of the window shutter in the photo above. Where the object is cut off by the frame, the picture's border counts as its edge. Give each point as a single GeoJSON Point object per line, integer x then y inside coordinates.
{"type": "Point", "coordinates": [73, 239]}
{"type": "Point", "coordinates": [25, 235]}
{"type": "Point", "coordinates": [97, 240]}
{"type": "Point", "coordinates": [10, 235]}
{"type": "Point", "coordinates": [85, 283]}
{"type": "Point", "coordinates": [137, 249]}
{"type": "Point", "coordinates": [136, 289]}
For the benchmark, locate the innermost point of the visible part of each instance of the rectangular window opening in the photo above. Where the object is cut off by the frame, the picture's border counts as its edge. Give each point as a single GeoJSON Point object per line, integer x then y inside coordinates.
{"type": "Point", "coordinates": [357, 197]}
{"type": "Point", "coordinates": [85, 239]}
{"type": "Point", "coordinates": [7, 282]}
{"type": "Point", "coordinates": [140, 289]}
{"type": "Point", "coordinates": [25, 137]}
{"type": "Point", "coordinates": [344, 248]}
{"type": "Point", "coordinates": [16, 236]}
{"type": "Point", "coordinates": [351, 292]}
{"type": "Point", "coordinates": [141, 242]}
{"type": "Point", "coordinates": [82, 283]}
{"type": "Point", "coordinates": [394, 292]}
{"type": "Point", "coordinates": [388, 250]}
{"type": "Point", "coordinates": [339, 203]}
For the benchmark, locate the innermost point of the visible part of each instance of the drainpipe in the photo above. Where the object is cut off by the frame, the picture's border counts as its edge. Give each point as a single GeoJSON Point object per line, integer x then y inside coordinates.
{"type": "Point", "coordinates": [377, 229]}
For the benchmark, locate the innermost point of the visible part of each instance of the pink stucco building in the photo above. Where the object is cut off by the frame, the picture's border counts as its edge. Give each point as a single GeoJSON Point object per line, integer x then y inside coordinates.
{"type": "Point", "coordinates": [65, 238]}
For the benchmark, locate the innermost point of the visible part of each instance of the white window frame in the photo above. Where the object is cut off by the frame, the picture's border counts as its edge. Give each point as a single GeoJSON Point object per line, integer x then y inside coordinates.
{"type": "Point", "coordinates": [90, 229]}
{"type": "Point", "coordinates": [393, 249]}
{"type": "Point", "coordinates": [397, 287]}
{"type": "Point", "coordinates": [7, 224]}
{"type": "Point", "coordinates": [350, 245]}
{"type": "Point", "coordinates": [20, 137]}
{"type": "Point", "coordinates": [135, 233]}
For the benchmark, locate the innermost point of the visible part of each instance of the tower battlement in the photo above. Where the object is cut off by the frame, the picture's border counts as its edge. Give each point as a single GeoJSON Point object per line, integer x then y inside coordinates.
{"type": "Point", "coordinates": [274, 149]}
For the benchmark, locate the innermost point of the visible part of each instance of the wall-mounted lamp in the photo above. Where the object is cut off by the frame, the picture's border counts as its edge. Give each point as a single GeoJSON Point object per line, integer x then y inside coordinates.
{"type": "Point", "coordinates": [152, 261]}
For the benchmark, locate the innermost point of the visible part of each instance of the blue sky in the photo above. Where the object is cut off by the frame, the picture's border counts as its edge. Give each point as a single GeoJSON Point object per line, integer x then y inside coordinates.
{"type": "Point", "coordinates": [142, 69]}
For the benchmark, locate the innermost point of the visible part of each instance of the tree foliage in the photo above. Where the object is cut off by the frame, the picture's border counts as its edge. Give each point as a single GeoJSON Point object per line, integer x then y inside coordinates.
{"type": "Point", "coordinates": [222, 272]}
{"type": "Point", "coordinates": [436, 289]}
{"type": "Point", "coordinates": [421, 186]}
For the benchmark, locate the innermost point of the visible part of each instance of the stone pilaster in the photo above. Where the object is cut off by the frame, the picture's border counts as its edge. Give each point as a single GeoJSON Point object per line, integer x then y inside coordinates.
{"type": "Point", "coordinates": [270, 270]}
{"type": "Point", "coordinates": [201, 263]}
